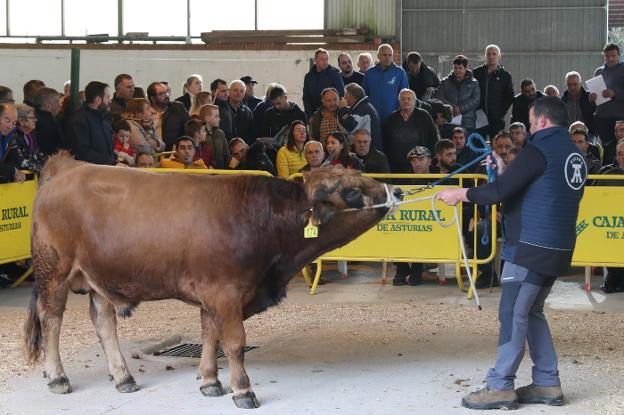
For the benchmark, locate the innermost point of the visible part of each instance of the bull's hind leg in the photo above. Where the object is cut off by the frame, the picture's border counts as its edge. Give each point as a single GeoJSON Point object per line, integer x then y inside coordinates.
{"type": "Point", "coordinates": [51, 306]}
{"type": "Point", "coordinates": [103, 316]}
{"type": "Point", "coordinates": [234, 347]}
{"type": "Point", "coordinates": [208, 370]}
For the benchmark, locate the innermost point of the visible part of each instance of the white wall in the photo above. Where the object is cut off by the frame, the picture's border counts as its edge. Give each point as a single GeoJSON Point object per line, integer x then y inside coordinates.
{"type": "Point", "coordinates": [53, 67]}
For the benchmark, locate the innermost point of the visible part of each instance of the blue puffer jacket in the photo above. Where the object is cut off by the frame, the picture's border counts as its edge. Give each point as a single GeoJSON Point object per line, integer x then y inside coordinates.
{"type": "Point", "coordinates": [464, 94]}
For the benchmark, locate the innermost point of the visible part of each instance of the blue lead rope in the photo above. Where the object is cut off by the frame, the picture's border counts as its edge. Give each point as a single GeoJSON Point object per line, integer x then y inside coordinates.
{"type": "Point", "coordinates": [483, 151]}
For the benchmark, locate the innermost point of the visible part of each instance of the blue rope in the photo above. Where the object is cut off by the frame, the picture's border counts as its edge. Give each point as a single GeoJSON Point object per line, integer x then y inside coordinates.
{"type": "Point", "coordinates": [483, 151]}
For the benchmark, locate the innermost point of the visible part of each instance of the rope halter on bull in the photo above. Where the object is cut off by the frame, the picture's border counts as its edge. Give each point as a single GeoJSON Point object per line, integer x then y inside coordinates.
{"type": "Point", "coordinates": [483, 150]}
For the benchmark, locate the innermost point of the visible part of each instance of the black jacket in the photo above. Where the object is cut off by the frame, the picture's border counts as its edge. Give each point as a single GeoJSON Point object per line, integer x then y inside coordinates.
{"type": "Point", "coordinates": [375, 162]}
{"type": "Point", "coordinates": [588, 109]}
{"type": "Point", "coordinates": [275, 120]}
{"type": "Point", "coordinates": [315, 82]}
{"type": "Point", "coordinates": [186, 100]}
{"type": "Point", "coordinates": [520, 110]}
{"type": "Point", "coordinates": [362, 115]}
{"type": "Point", "coordinates": [237, 123]}
{"type": "Point", "coordinates": [355, 78]}
{"type": "Point", "coordinates": [251, 102]}
{"type": "Point", "coordinates": [173, 121]}
{"type": "Point", "coordinates": [426, 78]}
{"type": "Point", "coordinates": [117, 107]}
{"type": "Point", "coordinates": [401, 136]}
{"type": "Point", "coordinates": [91, 136]}
{"type": "Point", "coordinates": [497, 92]}
{"type": "Point", "coordinates": [50, 137]}
{"type": "Point", "coordinates": [10, 160]}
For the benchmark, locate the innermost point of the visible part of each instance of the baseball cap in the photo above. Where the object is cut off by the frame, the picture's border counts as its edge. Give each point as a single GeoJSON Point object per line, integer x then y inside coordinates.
{"type": "Point", "coordinates": [418, 151]}
{"type": "Point", "coordinates": [248, 79]}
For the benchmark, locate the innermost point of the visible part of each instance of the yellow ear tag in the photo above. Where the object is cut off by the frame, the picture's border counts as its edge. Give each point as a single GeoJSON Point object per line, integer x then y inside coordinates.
{"type": "Point", "coordinates": [310, 231]}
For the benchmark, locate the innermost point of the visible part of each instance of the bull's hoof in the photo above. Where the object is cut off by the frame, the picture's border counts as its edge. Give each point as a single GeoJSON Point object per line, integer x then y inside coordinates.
{"type": "Point", "coordinates": [214, 390]}
{"type": "Point", "coordinates": [128, 385]}
{"type": "Point", "coordinates": [60, 385]}
{"type": "Point", "coordinates": [246, 401]}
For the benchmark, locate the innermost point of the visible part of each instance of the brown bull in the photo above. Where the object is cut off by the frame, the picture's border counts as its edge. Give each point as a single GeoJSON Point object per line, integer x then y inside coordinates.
{"type": "Point", "coordinates": [228, 244]}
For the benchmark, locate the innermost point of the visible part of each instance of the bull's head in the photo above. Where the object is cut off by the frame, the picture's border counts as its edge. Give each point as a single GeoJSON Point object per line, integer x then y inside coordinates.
{"type": "Point", "coordinates": [333, 189]}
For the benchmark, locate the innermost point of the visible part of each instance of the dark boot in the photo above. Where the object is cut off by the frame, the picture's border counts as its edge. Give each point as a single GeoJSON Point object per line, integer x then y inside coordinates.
{"type": "Point", "coordinates": [402, 271]}
{"type": "Point", "coordinates": [487, 398]}
{"type": "Point", "coordinates": [415, 277]}
{"type": "Point", "coordinates": [549, 395]}
{"type": "Point", "coordinates": [609, 285]}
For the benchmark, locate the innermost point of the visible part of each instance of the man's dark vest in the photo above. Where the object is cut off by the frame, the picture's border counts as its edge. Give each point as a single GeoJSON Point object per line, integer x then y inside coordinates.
{"type": "Point", "coordinates": [550, 205]}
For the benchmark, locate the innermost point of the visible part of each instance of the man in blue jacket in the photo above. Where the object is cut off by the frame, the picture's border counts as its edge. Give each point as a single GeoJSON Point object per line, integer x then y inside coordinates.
{"type": "Point", "coordinates": [541, 191]}
{"type": "Point", "coordinates": [384, 81]}
{"type": "Point", "coordinates": [322, 75]}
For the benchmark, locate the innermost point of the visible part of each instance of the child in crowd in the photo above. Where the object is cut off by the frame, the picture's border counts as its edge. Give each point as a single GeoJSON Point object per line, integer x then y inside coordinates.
{"type": "Point", "coordinates": [215, 139]}
{"type": "Point", "coordinates": [195, 129]}
{"type": "Point", "coordinates": [121, 142]}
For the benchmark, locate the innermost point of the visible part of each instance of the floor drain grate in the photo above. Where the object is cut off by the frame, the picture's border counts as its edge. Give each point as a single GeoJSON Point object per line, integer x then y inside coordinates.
{"type": "Point", "coordinates": [192, 350]}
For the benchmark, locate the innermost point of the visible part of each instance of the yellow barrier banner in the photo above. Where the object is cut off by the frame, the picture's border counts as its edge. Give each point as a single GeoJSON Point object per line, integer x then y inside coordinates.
{"type": "Point", "coordinates": [410, 232]}
{"type": "Point", "coordinates": [600, 227]}
{"type": "Point", "coordinates": [16, 201]}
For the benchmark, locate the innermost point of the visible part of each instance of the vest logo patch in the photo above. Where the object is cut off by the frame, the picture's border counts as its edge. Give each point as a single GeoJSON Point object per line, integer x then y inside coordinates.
{"type": "Point", "coordinates": [392, 81]}
{"type": "Point", "coordinates": [575, 171]}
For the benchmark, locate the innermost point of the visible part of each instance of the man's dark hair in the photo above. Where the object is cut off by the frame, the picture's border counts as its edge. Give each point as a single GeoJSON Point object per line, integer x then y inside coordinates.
{"type": "Point", "coordinates": [215, 84]}
{"type": "Point", "coordinates": [414, 57]}
{"type": "Point", "coordinates": [184, 138]}
{"type": "Point", "coordinates": [234, 141]}
{"type": "Point", "coordinates": [611, 46]}
{"type": "Point", "coordinates": [458, 130]}
{"type": "Point", "coordinates": [526, 82]}
{"type": "Point", "coordinates": [553, 108]}
{"type": "Point", "coordinates": [44, 95]}
{"type": "Point", "coordinates": [151, 89]}
{"type": "Point", "coordinates": [276, 92]}
{"type": "Point", "coordinates": [121, 125]}
{"type": "Point", "coordinates": [120, 78]}
{"type": "Point", "coordinates": [460, 60]}
{"type": "Point", "coordinates": [502, 134]}
{"type": "Point", "coordinates": [192, 127]}
{"type": "Point", "coordinates": [4, 94]}
{"type": "Point", "coordinates": [444, 144]}
{"type": "Point", "coordinates": [30, 89]}
{"type": "Point", "coordinates": [93, 90]}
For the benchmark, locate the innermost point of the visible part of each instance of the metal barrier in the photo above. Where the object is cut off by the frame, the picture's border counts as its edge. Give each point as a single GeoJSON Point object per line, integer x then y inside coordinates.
{"type": "Point", "coordinates": [411, 234]}
{"type": "Point", "coordinates": [600, 226]}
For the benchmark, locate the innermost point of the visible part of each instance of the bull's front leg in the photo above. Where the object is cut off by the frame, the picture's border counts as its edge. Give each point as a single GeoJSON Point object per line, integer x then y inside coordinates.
{"type": "Point", "coordinates": [208, 370]}
{"type": "Point", "coordinates": [234, 347]}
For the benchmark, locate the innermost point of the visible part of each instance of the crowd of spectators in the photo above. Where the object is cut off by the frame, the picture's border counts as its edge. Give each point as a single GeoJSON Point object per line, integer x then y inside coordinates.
{"type": "Point", "coordinates": [378, 118]}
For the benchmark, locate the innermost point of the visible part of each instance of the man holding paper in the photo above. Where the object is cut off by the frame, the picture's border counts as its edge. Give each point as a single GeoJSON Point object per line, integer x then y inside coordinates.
{"type": "Point", "coordinates": [612, 110]}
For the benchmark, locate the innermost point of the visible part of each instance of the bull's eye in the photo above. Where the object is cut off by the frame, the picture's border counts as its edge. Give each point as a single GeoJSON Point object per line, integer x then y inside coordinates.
{"type": "Point", "coordinates": [353, 197]}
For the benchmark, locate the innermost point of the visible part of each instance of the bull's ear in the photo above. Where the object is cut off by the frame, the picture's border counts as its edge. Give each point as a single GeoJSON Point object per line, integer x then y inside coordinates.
{"type": "Point", "coordinates": [353, 197]}
{"type": "Point", "coordinates": [322, 213]}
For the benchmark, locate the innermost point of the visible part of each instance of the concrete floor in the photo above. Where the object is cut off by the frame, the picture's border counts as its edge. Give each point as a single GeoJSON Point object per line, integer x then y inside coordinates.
{"type": "Point", "coordinates": [334, 373]}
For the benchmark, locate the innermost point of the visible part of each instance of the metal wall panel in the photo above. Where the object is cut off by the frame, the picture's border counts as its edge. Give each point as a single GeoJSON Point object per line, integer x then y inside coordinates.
{"type": "Point", "coordinates": [540, 39]}
{"type": "Point", "coordinates": [379, 15]}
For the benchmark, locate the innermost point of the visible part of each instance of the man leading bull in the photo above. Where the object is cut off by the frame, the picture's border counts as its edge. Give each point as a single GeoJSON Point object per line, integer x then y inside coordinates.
{"type": "Point", "coordinates": [541, 192]}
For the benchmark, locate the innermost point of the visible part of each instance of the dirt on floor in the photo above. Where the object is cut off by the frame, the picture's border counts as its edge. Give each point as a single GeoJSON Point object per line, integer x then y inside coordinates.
{"type": "Point", "coordinates": [591, 342]}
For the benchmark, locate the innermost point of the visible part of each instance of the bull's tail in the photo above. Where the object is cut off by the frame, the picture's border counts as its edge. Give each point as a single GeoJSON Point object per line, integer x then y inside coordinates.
{"type": "Point", "coordinates": [57, 163]}
{"type": "Point", "coordinates": [33, 335]}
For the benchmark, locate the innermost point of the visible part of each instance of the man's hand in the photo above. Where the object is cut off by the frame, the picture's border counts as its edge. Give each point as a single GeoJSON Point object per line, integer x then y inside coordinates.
{"type": "Point", "coordinates": [234, 162]}
{"type": "Point", "coordinates": [593, 97]}
{"type": "Point", "coordinates": [19, 177]}
{"type": "Point", "coordinates": [608, 93]}
{"type": "Point", "coordinates": [453, 196]}
{"type": "Point", "coordinates": [456, 111]}
{"type": "Point", "coordinates": [343, 103]}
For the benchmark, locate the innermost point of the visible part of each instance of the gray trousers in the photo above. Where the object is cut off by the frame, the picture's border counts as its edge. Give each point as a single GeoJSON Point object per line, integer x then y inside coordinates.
{"type": "Point", "coordinates": [521, 316]}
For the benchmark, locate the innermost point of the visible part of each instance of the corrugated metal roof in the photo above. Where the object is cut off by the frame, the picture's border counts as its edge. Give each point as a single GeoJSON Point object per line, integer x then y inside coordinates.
{"type": "Point", "coordinates": [378, 15]}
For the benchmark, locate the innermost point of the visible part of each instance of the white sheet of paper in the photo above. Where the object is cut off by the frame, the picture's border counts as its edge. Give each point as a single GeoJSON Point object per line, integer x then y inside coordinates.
{"type": "Point", "coordinates": [482, 120]}
{"type": "Point", "coordinates": [597, 85]}
{"type": "Point", "coordinates": [456, 120]}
